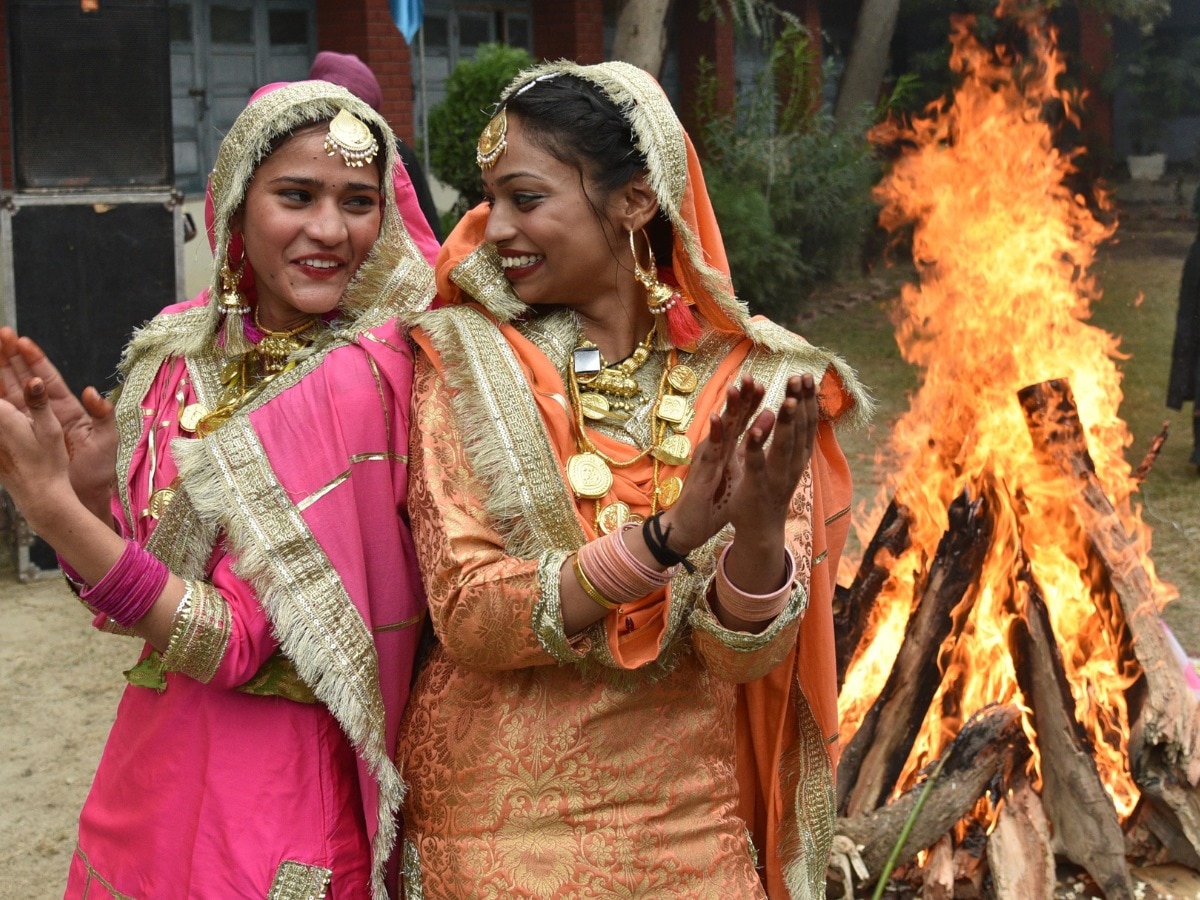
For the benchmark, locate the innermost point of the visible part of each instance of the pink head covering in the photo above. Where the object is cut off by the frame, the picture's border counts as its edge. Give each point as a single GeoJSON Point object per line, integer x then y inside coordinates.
{"type": "Point", "coordinates": [351, 73]}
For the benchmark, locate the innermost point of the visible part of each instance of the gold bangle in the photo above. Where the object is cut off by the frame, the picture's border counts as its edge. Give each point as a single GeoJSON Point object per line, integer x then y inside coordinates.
{"type": "Point", "coordinates": [590, 589]}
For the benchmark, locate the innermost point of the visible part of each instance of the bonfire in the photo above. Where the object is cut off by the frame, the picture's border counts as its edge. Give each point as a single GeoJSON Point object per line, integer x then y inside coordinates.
{"type": "Point", "coordinates": [1004, 626]}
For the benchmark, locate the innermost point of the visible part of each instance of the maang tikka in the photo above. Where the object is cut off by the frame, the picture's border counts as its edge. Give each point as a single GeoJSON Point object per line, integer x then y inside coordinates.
{"type": "Point", "coordinates": [493, 141]}
{"type": "Point", "coordinates": [352, 138]}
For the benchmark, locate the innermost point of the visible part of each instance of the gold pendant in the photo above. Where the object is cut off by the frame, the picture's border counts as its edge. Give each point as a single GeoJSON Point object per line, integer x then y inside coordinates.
{"type": "Point", "coordinates": [612, 516]}
{"type": "Point", "coordinates": [594, 406]}
{"type": "Point", "coordinates": [159, 501]}
{"type": "Point", "coordinates": [668, 491]}
{"type": "Point", "coordinates": [674, 450]}
{"type": "Point", "coordinates": [682, 378]}
{"type": "Point", "coordinates": [191, 416]}
{"type": "Point", "coordinates": [685, 423]}
{"type": "Point", "coordinates": [673, 408]}
{"type": "Point", "coordinates": [589, 476]}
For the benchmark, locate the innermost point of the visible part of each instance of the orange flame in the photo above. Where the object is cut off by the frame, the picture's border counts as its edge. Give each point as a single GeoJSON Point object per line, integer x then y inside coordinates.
{"type": "Point", "coordinates": [1002, 247]}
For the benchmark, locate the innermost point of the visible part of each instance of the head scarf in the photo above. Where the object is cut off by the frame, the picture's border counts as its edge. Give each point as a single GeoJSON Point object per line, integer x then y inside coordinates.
{"type": "Point", "coordinates": [394, 278]}
{"type": "Point", "coordinates": [468, 265]}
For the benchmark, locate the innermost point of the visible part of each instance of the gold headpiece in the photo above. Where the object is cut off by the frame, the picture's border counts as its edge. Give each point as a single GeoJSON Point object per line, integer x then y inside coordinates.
{"type": "Point", "coordinates": [351, 138]}
{"type": "Point", "coordinates": [493, 141]}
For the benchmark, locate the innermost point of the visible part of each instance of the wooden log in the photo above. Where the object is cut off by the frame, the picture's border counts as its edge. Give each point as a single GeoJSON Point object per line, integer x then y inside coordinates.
{"type": "Point", "coordinates": [875, 756]}
{"type": "Point", "coordinates": [1164, 743]}
{"type": "Point", "coordinates": [852, 607]}
{"type": "Point", "coordinates": [1152, 452]}
{"type": "Point", "coordinates": [1085, 822]}
{"type": "Point", "coordinates": [1168, 717]}
{"type": "Point", "coordinates": [937, 875]}
{"type": "Point", "coordinates": [989, 744]}
{"type": "Point", "coordinates": [970, 865]}
{"type": "Point", "coordinates": [1020, 858]}
{"type": "Point", "coordinates": [1154, 835]}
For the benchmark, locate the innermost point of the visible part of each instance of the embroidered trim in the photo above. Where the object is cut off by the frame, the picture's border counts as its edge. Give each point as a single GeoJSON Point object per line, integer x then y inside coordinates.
{"type": "Point", "coordinates": [296, 881]}
{"type": "Point", "coordinates": [201, 634]}
{"type": "Point", "coordinates": [93, 875]}
{"type": "Point", "coordinates": [411, 867]}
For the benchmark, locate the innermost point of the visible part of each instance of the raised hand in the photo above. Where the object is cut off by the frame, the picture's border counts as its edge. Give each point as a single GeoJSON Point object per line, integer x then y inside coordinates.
{"type": "Point", "coordinates": [715, 473]}
{"type": "Point", "coordinates": [761, 499]}
{"type": "Point", "coordinates": [33, 457]}
{"type": "Point", "coordinates": [87, 423]}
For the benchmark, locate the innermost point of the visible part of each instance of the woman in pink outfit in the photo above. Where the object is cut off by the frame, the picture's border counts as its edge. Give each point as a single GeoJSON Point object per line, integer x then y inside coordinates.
{"type": "Point", "coordinates": [256, 534]}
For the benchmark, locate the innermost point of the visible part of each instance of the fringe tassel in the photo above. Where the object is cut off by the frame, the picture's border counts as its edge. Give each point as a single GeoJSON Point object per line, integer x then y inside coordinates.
{"type": "Point", "coordinates": [683, 328]}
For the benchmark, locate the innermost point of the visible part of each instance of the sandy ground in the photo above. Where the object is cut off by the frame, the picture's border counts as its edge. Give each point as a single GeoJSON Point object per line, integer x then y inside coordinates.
{"type": "Point", "coordinates": [61, 683]}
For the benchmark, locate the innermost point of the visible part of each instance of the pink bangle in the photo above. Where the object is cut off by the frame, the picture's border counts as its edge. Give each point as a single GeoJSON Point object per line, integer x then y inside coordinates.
{"type": "Point", "coordinates": [610, 566]}
{"type": "Point", "coordinates": [753, 607]}
{"type": "Point", "coordinates": [130, 587]}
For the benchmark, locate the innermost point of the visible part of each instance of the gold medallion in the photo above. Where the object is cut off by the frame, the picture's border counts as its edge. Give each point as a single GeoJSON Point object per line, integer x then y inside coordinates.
{"type": "Point", "coordinates": [668, 491]}
{"type": "Point", "coordinates": [612, 516]}
{"type": "Point", "coordinates": [191, 416]}
{"type": "Point", "coordinates": [493, 141]}
{"type": "Point", "coordinates": [673, 408]}
{"type": "Point", "coordinates": [682, 378]}
{"type": "Point", "coordinates": [685, 423]}
{"type": "Point", "coordinates": [589, 476]}
{"type": "Point", "coordinates": [594, 406]}
{"type": "Point", "coordinates": [159, 501]}
{"type": "Point", "coordinates": [674, 450]}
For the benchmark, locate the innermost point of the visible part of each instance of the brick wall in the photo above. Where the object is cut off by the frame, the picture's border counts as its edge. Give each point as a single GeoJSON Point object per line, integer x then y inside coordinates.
{"type": "Point", "coordinates": [6, 157]}
{"type": "Point", "coordinates": [365, 28]}
{"type": "Point", "coordinates": [569, 29]}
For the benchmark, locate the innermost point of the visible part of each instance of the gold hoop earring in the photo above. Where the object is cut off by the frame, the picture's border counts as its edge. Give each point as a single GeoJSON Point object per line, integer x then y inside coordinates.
{"type": "Point", "coordinates": [659, 297]}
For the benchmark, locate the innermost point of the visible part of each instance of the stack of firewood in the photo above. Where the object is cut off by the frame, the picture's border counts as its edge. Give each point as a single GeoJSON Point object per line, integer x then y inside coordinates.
{"type": "Point", "coordinates": [980, 820]}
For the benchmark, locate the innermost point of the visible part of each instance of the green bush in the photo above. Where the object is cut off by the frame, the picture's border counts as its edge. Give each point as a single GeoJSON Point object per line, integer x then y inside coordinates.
{"type": "Point", "coordinates": [792, 193]}
{"type": "Point", "coordinates": [454, 124]}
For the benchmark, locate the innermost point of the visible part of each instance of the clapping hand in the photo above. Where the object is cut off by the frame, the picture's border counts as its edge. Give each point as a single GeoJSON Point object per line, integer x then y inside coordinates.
{"type": "Point", "coordinates": [747, 484]}
{"type": "Point", "coordinates": [87, 424]}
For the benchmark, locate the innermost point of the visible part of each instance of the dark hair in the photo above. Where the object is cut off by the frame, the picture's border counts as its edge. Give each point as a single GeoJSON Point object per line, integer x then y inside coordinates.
{"type": "Point", "coordinates": [576, 123]}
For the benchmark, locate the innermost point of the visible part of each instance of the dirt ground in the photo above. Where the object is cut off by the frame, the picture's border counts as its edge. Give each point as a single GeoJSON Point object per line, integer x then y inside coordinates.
{"type": "Point", "coordinates": [62, 681]}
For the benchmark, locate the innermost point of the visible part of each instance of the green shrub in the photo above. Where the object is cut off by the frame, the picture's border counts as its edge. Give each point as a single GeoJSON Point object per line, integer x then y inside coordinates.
{"type": "Point", "coordinates": [454, 124]}
{"type": "Point", "coordinates": [792, 193]}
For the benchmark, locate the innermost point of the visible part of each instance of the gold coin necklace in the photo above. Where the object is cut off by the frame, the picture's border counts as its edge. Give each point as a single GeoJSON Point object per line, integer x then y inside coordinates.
{"type": "Point", "coordinates": [589, 471]}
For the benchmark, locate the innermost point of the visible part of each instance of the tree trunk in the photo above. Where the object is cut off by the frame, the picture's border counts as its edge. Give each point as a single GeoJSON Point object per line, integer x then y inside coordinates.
{"type": "Point", "coordinates": [868, 58]}
{"type": "Point", "coordinates": [641, 36]}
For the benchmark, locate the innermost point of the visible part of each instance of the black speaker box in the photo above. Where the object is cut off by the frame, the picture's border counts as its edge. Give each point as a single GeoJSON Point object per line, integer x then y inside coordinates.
{"type": "Point", "coordinates": [85, 274]}
{"type": "Point", "coordinates": [91, 94]}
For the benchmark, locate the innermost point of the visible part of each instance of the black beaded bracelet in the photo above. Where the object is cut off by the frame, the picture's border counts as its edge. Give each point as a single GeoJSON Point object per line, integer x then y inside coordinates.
{"type": "Point", "coordinates": [655, 537]}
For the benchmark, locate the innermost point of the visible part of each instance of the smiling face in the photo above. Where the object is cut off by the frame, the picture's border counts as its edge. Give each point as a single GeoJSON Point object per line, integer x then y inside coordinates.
{"type": "Point", "coordinates": [308, 221]}
{"type": "Point", "coordinates": [555, 246]}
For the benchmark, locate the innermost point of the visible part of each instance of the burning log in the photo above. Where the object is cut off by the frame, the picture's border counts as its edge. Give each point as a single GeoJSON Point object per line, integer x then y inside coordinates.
{"type": "Point", "coordinates": [990, 743]}
{"type": "Point", "coordinates": [1167, 718]}
{"type": "Point", "coordinates": [852, 607]}
{"type": "Point", "coordinates": [875, 756]}
{"type": "Point", "coordinates": [1085, 822]}
{"type": "Point", "coordinates": [1155, 448]}
{"type": "Point", "coordinates": [1163, 741]}
{"type": "Point", "coordinates": [1019, 852]}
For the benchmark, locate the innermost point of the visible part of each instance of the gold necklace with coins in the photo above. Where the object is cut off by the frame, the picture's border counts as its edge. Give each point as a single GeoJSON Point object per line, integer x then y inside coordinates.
{"type": "Point", "coordinates": [610, 391]}
{"type": "Point", "coordinates": [246, 375]}
{"type": "Point", "coordinates": [589, 471]}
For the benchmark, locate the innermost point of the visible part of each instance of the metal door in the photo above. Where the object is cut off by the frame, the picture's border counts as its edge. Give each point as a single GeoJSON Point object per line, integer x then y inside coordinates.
{"type": "Point", "coordinates": [221, 52]}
